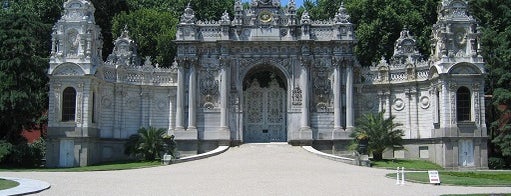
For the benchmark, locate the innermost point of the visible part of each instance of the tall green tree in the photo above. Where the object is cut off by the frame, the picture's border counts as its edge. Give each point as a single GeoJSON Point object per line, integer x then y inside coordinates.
{"type": "Point", "coordinates": [381, 133]}
{"type": "Point", "coordinates": [378, 23]}
{"type": "Point", "coordinates": [105, 12]}
{"type": "Point", "coordinates": [24, 50]}
{"type": "Point", "coordinates": [152, 30]}
{"type": "Point", "coordinates": [495, 19]}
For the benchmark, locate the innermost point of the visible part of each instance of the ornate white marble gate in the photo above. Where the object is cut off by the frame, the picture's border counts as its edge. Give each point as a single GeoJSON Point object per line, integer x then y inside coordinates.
{"type": "Point", "coordinates": [265, 113]}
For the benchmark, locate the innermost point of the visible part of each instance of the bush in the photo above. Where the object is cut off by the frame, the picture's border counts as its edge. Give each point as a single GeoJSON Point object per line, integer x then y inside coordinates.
{"type": "Point", "coordinates": [147, 144]}
{"type": "Point", "coordinates": [496, 163]}
{"type": "Point", "coordinates": [27, 155]}
{"type": "Point", "coordinates": [5, 149]}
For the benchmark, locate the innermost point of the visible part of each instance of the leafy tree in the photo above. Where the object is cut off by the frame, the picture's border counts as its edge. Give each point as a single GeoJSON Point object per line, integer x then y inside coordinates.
{"type": "Point", "coordinates": [152, 30]}
{"type": "Point", "coordinates": [24, 50]}
{"type": "Point", "coordinates": [378, 23]}
{"type": "Point", "coordinates": [147, 143]}
{"type": "Point", "coordinates": [381, 133]}
{"type": "Point", "coordinates": [105, 12]}
{"type": "Point", "coordinates": [495, 19]}
{"type": "Point", "coordinates": [204, 9]}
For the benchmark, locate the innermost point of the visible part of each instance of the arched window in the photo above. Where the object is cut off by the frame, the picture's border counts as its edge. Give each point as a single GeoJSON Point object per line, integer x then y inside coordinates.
{"type": "Point", "coordinates": [69, 104]}
{"type": "Point", "coordinates": [463, 104]}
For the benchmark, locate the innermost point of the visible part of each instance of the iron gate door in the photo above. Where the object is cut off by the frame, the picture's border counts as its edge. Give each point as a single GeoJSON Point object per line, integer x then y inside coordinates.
{"type": "Point", "coordinates": [265, 113]}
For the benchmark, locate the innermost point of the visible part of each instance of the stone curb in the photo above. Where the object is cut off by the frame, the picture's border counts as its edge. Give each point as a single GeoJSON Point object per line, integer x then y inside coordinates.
{"type": "Point", "coordinates": [217, 151]}
{"type": "Point", "coordinates": [330, 156]}
{"type": "Point", "coordinates": [27, 186]}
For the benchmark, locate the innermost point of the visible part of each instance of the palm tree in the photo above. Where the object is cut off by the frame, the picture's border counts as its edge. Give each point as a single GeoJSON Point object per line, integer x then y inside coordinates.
{"type": "Point", "coordinates": [379, 132]}
{"type": "Point", "coordinates": [147, 143]}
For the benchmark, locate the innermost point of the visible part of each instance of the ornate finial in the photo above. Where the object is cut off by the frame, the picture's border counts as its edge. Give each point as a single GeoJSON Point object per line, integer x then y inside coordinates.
{"type": "Point", "coordinates": [292, 4]}
{"type": "Point", "coordinates": [306, 18]}
{"type": "Point", "coordinates": [188, 16]}
{"type": "Point", "coordinates": [148, 61]}
{"type": "Point", "coordinates": [125, 32]}
{"type": "Point", "coordinates": [342, 15]}
{"type": "Point", "coordinates": [225, 18]}
{"type": "Point", "coordinates": [238, 6]}
{"type": "Point", "coordinates": [5, 5]}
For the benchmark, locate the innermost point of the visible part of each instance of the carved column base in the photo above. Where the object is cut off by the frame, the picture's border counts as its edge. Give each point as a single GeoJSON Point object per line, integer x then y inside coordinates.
{"type": "Point", "coordinates": [222, 134]}
{"type": "Point", "coordinates": [350, 129]}
{"type": "Point", "coordinates": [340, 134]}
{"type": "Point", "coordinates": [182, 134]}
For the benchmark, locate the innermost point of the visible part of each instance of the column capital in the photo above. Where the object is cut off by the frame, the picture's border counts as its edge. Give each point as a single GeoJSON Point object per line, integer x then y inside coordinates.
{"type": "Point", "coordinates": [306, 61]}
{"type": "Point", "coordinates": [225, 61]}
{"type": "Point", "coordinates": [186, 61]}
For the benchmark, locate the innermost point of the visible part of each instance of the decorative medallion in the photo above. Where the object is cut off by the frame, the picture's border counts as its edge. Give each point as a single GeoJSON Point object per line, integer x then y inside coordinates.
{"type": "Point", "coordinates": [424, 100]}
{"type": "Point", "coordinates": [398, 104]}
{"type": "Point", "coordinates": [160, 105]}
{"type": "Point", "coordinates": [106, 102]}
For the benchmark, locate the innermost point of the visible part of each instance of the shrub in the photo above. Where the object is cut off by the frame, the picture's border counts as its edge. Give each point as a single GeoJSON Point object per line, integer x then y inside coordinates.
{"type": "Point", "coordinates": [146, 144]}
{"type": "Point", "coordinates": [5, 149]}
{"type": "Point", "coordinates": [496, 163]}
{"type": "Point", "coordinates": [28, 155]}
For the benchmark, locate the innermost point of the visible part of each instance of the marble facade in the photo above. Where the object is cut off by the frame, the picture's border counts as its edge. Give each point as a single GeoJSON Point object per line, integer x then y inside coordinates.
{"type": "Point", "coordinates": [265, 75]}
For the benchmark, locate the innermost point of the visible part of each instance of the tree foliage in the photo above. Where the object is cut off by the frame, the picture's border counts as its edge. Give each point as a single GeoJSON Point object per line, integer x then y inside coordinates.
{"type": "Point", "coordinates": [152, 30]}
{"type": "Point", "coordinates": [378, 23]}
{"type": "Point", "coordinates": [381, 133]}
{"type": "Point", "coordinates": [495, 19]}
{"type": "Point", "coordinates": [24, 50]}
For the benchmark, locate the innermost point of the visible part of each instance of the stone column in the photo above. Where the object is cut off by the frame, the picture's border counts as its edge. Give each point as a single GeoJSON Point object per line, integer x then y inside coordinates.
{"type": "Point", "coordinates": [171, 110]}
{"type": "Point", "coordinates": [337, 98]}
{"type": "Point", "coordinates": [192, 102]}
{"type": "Point", "coordinates": [305, 97]}
{"type": "Point", "coordinates": [224, 98]}
{"type": "Point", "coordinates": [349, 97]}
{"type": "Point", "coordinates": [179, 98]}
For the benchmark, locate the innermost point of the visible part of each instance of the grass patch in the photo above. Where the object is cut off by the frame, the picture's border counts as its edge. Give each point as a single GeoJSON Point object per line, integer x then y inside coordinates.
{"type": "Point", "coordinates": [7, 184]}
{"type": "Point", "coordinates": [492, 194]}
{"type": "Point", "coordinates": [408, 164]}
{"type": "Point", "coordinates": [99, 167]}
{"type": "Point", "coordinates": [473, 178]}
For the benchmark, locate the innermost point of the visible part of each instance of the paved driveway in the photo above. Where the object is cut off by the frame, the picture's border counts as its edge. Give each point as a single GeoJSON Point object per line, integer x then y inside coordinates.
{"type": "Point", "coordinates": [252, 169]}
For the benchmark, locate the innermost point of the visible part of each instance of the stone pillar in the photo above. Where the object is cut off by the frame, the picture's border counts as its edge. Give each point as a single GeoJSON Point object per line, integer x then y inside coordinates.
{"type": "Point", "coordinates": [337, 98]}
{"type": "Point", "coordinates": [305, 126]}
{"type": "Point", "coordinates": [349, 98]}
{"type": "Point", "coordinates": [171, 110]}
{"type": "Point", "coordinates": [192, 102]}
{"type": "Point", "coordinates": [224, 124]}
{"type": "Point", "coordinates": [179, 99]}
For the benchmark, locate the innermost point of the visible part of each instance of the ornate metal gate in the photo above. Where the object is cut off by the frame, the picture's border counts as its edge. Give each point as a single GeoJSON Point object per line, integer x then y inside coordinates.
{"type": "Point", "coordinates": [265, 113]}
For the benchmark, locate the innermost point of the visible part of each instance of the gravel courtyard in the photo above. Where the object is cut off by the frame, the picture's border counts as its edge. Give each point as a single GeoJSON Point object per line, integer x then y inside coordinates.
{"type": "Point", "coordinates": [251, 169]}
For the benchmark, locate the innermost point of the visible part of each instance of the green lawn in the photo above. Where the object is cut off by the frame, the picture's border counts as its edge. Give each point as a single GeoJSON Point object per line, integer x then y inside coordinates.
{"type": "Point", "coordinates": [408, 164]}
{"type": "Point", "coordinates": [503, 194]}
{"type": "Point", "coordinates": [7, 184]}
{"type": "Point", "coordinates": [472, 178]}
{"type": "Point", "coordinates": [101, 167]}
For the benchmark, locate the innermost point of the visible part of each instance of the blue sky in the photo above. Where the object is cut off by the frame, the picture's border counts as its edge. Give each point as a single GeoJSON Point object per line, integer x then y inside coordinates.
{"type": "Point", "coordinates": [284, 2]}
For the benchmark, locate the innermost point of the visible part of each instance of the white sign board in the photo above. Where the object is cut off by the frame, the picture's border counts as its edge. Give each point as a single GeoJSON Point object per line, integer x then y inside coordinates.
{"type": "Point", "coordinates": [434, 177]}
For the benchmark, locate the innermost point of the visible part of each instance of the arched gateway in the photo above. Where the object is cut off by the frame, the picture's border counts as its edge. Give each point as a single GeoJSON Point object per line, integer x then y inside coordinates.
{"type": "Point", "coordinates": [264, 105]}
{"type": "Point", "coordinates": [265, 74]}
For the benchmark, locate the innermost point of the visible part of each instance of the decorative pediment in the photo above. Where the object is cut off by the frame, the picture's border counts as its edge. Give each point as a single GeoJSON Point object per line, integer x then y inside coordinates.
{"type": "Point", "coordinates": [433, 72]}
{"type": "Point", "coordinates": [464, 69]}
{"type": "Point", "coordinates": [68, 69]}
{"type": "Point", "coordinates": [77, 10]}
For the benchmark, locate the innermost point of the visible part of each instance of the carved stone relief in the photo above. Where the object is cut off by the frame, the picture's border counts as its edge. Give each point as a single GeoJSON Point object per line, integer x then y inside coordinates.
{"type": "Point", "coordinates": [209, 89]}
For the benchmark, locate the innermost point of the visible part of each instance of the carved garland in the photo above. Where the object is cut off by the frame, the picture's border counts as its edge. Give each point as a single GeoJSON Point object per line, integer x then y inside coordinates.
{"type": "Point", "coordinates": [209, 89]}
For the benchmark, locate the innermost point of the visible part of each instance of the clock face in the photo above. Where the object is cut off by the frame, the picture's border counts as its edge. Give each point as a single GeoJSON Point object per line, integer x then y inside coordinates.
{"type": "Point", "coordinates": [266, 2]}
{"type": "Point", "coordinates": [265, 16]}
